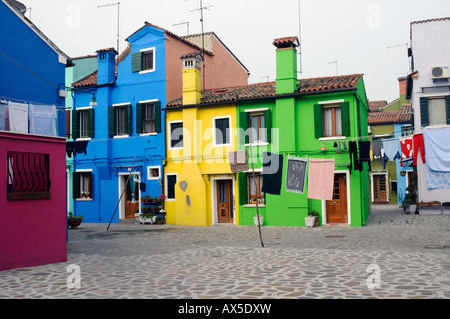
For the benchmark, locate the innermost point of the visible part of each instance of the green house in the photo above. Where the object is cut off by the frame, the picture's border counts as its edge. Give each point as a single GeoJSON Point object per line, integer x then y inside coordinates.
{"type": "Point", "coordinates": [314, 118]}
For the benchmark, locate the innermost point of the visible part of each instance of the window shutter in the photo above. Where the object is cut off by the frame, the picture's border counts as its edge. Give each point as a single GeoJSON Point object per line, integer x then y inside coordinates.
{"type": "Point", "coordinates": [76, 185]}
{"type": "Point", "coordinates": [91, 123]}
{"type": "Point", "coordinates": [75, 125]}
{"type": "Point", "coordinates": [139, 118]}
{"type": "Point", "coordinates": [243, 123]}
{"type": "Point", "coordinates": [345, 118]}
{"type": "Point", "coordinates": [447, 104]}
{"type": "Point", "coordinates": [318, 120]}
{"type": "Point", "coordinates": [68, 124]}
{"type": "Point", "coordinates": [91, 183]}
{"type": "Point", "coordinates": [129, 119]}
{"type": "Point", "coordinates": [136, 62]}
{"type": "Point", "coordinates": [243, 185]}
{"type": "Point", "coordinates": [158, 117]}
{"type": "Point", "coordinates": [424, 118]}
{"type": "Point", "coordinates": [111, 121]}
{"type": "Point", "coordinates": [268, 124]}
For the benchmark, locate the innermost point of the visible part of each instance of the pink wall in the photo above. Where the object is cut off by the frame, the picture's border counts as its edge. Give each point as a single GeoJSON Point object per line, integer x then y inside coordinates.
{"type": "Point", "coordinates": [33, 232]}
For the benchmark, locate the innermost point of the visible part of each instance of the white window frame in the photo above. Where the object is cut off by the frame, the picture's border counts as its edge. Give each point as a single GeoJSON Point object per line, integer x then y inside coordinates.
{"type": "Point", "coordinates": [83, 108]}
{"type": "Point", "coordinates": [154, 60]}
{"type": "Point", "coordinates": [230, 143]}
{"type": "Point", "coordinates": [80, 184]}
{"type": "Point", "coordinates": [169, 134]}
{"type": "Point", "coordinates": [149, 176]}
{"type": "Point", "coordinates": [150, 133]}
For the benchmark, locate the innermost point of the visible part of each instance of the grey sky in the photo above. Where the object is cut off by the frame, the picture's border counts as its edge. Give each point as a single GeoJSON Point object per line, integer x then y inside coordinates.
{"type": "Point", "coordinates": [355, 33]}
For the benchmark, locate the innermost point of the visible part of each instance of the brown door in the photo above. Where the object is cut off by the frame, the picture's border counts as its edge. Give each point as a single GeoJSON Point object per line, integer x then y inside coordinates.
{"type": "Point", "coordinates": [224, 203]}
{"type": "Point", "coordinates": [379, 188]}
{"type": "Point", "coordinates": [337, 207]}
{"type": "Point", "coordinates": [131, 207]}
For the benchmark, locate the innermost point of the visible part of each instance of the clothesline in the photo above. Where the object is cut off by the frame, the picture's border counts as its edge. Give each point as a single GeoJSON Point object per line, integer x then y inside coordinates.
{"type": "Point", "coordinates": [16, 100]}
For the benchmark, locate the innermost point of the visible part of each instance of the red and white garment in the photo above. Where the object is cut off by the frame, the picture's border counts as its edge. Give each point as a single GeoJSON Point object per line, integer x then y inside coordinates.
{"type": "Point", "coordinates": [406, 146]}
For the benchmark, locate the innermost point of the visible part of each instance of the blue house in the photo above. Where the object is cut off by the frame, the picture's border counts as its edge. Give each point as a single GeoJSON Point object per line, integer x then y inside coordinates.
{"type": "Point", "coordinates": [32, 67]}
{"type": "Point", "coordinates": [118, 125]}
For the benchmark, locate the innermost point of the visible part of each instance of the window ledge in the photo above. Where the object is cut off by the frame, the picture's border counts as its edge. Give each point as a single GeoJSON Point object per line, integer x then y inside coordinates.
{"type": "Point", "coordinates": [149, 134]}
{"type": "Point", "coordinates": [332, 138]}
{"type": "Point", "coordinates": [83, 199]}
{"type": "Point", "coordinates": [80, 139]}
{"type": "Point", "coordinates": [257, 144]}
{"type": "Point", "coordinates": [254, 205]}
{"type": "Point", "coordinates": [121, 136]}
{"type": "Point", "coordinates": [146, 71]}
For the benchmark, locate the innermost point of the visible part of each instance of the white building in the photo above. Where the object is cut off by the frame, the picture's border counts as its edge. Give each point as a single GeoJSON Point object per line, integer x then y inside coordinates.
{"type": "Point", "coordinates": [429, 91]}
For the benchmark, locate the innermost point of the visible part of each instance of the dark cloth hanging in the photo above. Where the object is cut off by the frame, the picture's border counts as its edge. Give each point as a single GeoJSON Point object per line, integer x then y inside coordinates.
{"type": "Point", "coordinates": [272, 173]}
{"type": "Point", "coordinates": [376, 147]}
{"type": "Point", "coordinates": [69, 149]}
{"type": "Point", "coordinates": [81, 147]}
{"type": "Point", "coordinates": [353, 152]}
{"type": "Point", "coordinates": [364, 154]}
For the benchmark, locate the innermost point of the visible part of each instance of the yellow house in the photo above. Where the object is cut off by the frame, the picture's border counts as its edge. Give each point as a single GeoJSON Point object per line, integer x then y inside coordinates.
{"type": "Point", "coordinates": [199, 185]}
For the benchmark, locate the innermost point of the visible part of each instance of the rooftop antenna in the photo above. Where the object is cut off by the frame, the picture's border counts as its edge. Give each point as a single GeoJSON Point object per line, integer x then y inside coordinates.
{"type": "Point", "coordinates": [401, 45]}
{"type": "Point", "coordinates": [187, 23]}
{"type": "Point", "coordinates": [118, 20]}
{"type": "Point", "coordinates": [203, 37]}
{"type": "Point", "coordinates": [336, 62]}
{"type": "Point", "coordinates": [299, 39]}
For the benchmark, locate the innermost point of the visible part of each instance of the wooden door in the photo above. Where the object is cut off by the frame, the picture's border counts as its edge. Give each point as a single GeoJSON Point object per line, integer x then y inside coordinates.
{"type": "Point", "coordinates": [337, 207]}
{"type": "Point", "coordinates": [379, 188]}
{"type": "Point", "coordinates": [224, 203]}
{"type": "Point", "coordinates": [131, 207]}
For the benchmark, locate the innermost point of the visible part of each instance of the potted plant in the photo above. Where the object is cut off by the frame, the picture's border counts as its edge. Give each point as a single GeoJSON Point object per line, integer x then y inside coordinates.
{"type": "Point", "coordinates": [74, 221]}
{"type": "Point", "coordinates": [147, 218]}
{"type": "Point", "coordinates": [315, 213]}
{"type": "Point", "coordinates": [410, 200]}
{"type": "Point", "coordinates": [310, 220]}
{"type": "Point", "coordinates": [159, 220]}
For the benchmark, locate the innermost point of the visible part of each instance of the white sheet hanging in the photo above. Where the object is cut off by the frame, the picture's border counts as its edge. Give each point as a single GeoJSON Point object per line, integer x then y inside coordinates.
{"type": "Point", "coordinates": [18, 117]}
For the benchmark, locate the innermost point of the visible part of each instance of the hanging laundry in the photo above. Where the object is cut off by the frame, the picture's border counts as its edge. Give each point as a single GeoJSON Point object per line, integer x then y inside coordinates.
{"type": "Point", "coordinates": [80, 147]}
{"type": "Point", "coordinates": [18, 117]}
{"type": "Point", "coordinates": [238, 161]}
{"type": "Point", "coordinates": [3, 115]}
{"type": "Point", "coordinates": [296, 174]}
{"type": "Point", "coordinates": [390, 147]}
{"type": "Point", "coordinates": [353, 152]}
{"type": "Point", "coordinates": [321, 178]}
{"type": "Point", "coordinates": [42, 119]}
{"type": "Point", "coordinates": [437, 144]}
{"type": "Point", "coordinates": [418, 146]}
{"type": "Point", "coordinates": [272, 173]}
{"type": "Point", "coordinates": [376, 147]}
{"type": "Point", "coordinates": [406, 146]}
{"type": "Point", "coordinates": [384, 160]}
{"type": "Point", "coordinates": [437, 179]}
{"type": "Point", "coordinates": [364, 153]}
{"type": "Point", "coordinates": [69, 149]}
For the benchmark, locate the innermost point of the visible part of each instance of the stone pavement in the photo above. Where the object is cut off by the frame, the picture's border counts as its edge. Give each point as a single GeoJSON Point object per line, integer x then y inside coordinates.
{"type": "Point", "coordinates": [395, 256]}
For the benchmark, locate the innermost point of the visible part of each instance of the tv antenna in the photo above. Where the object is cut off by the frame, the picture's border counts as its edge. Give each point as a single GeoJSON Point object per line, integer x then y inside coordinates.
{"type": "Point", "coordinates": [336, 62]}
{"type": "Point", "coordinates": [299, 39]}
{"type": "Point", "coordinates": [187, 24]}
{"type": "Point", "coordinates": [118, 20]}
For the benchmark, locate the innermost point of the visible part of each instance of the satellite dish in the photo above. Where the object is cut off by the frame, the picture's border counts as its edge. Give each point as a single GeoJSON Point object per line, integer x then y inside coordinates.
{"type": "Point", "coordinates": [19, 6]}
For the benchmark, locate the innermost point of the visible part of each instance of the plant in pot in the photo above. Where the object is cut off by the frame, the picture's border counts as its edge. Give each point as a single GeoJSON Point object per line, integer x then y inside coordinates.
{"type": "Point", "coordinates": [315, 213]}
{"type": "Point", "coordinates": [410, 200]}
{"type": "Point", "coordinates": [310, 220]}
{"type": "Point", "coordinates": [74, 221]}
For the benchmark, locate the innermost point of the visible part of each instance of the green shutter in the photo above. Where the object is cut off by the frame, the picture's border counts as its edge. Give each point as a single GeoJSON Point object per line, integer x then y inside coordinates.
{"type": "Point", "coordinates": [75, 125]}
{"type": "Point", "coordinates": [268, 125]}
{"type": "Point", "coordinates": [243, 125]}
{"type": "Point", "coordinates": [136, 62]}
{"type": "Point", "coordinates": [111, 121]}
{"type": "Point", "coordinates": [447, 104]}
{"type": "Point", "coordinates": [158, 117]}
{"type": "Point", "coordinates": [243, 185]}
{"type": "Point", "coordinates": [345, 118]}
{"type": "Point", "coordinates": [129, 119]}
{"type": "Point", "coordinates": [91, 123]}
{"type": "Point", "coordinates": [139, 118]}
{"type": "Point", "coordinates": [424, 118]}
{"type": "Point", "coordinates": [76, 185]}
{"type": "Point", "coordinates": [91, 183]}
{"type": "Point", "coordinates": [318, 120]}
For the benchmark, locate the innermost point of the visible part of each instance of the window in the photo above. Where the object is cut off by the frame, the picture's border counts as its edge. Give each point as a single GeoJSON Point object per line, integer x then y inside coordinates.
{"type": "Point", "coordinates": [153, 172]}
{"type": "Point", "coordinates": [83, 123]}
{"type": "Point", "coordinates": [331, 120]}
{"type": "Point", "coordinates": [148, 117]}
{"type": "Point", "coordinates": [257, 128]}
{"type": "Point", "coordinates": [171, 180]}
{"type": "Point", "coordinates": [255, 193]}
{"type": "Point", "coordinates": [119, 120]}
{"type": "Point", "coordinates": [27, 176]}
{"type": "Point", "coordinates": [407, 130]}
{"type": "Point", "coordinates": [435, 110]}
{"type": "Point", "coordinates": [143, 61]}
{"type": "Point", "coordinates": [255, 125]}
{"type": "Point", "coordinates": [176, 134]}
{"type": "Point", "coordinates": [222, 131]}
{"type": "Point", "coordinates": [82, 185]}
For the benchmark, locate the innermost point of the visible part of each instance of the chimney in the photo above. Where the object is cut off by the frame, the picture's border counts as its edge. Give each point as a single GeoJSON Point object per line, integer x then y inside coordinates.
{"type": "Point", "coordinates": [286, 58]}
{"type": "Point", "coordinates": [192, 86]}
{"type": "Point", "coordinates": [402, 85]}
{"type": "Point", "coordinates": [106, 66]}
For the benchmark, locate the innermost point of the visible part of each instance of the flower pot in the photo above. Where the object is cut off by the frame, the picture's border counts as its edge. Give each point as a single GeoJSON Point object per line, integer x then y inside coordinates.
{"type": "Point", "coordinates": [73, 223]}
{"type": "Point", "coordinates": [309, 221]}
{"type": "Point", "coordinates": [261, 220]}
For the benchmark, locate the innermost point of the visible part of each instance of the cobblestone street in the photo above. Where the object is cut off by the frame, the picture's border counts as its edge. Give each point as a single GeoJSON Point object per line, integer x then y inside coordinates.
{"type": "Point", "coordinates": [410, 252]}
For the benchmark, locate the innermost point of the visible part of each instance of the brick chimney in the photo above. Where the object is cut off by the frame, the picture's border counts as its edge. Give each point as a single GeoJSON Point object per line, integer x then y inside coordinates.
{"type": "Point", "coordinates": [286, 73]}
{"type": "Point", "coordinates": [402, 85]}
{"type": "Point", "coordinates": [106, 66]}
{"type": "Point", "coordinates": [192, 86]}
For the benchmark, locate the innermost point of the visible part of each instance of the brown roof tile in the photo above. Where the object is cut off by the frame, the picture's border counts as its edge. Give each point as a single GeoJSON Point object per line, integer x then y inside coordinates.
{"type": "Point", "coordinates": [267, 89]}
{"type": "Point", "coordinates": [376, 105]}
{"type": "Point", "coordinates": [403, 115]}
